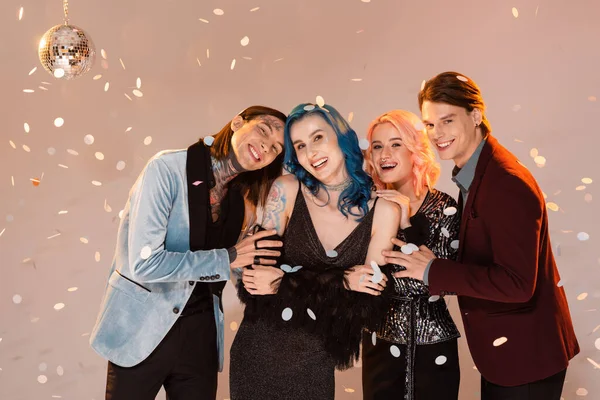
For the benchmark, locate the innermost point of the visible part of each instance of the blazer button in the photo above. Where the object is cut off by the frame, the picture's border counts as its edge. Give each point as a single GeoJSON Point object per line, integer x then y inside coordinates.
{"type": "Point", "coordinates": [212, 278]}
{"type": "Point", "coordinates": [217, 276]}
{"type": "Point", "coordinates": [176, 310]}
{"type": "Point", "coordinates": [191, 283]}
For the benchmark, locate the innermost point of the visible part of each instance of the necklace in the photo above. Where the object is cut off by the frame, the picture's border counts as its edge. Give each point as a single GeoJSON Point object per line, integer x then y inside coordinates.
{"type": "Point", "coordinates": [340, 187]}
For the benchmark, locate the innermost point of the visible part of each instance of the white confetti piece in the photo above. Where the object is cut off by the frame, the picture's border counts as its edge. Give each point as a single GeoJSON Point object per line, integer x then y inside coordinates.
{"type": "Point", "coordinates": [106, 86]}
{"type": "Point", "coordinates": [583, 236]}
{"type": "Point", "coordinates": [233, 326]}
{"type": "Point", "coordinates": [17, 299]}
{"type": "Point", "coordinates": [350, 116]}
{"type": "Point", "coordinates": [122, 63]}
{"type": "Point", "coordinates": [349, 390]}
{"type": "Point", "coordinates": [286, 314]}
{"type": "Point", "coordinates": [208, 140]}
{"type": "Point", "coordinates": [218, 11]}
{"type": "Point", "coordinates": [147, 140]}
{"type": "Point", "coordinates": [203, 20]}
{"type": "Point", "coordinates": [500, 341]}
{"type": "Point", "coordinates": [129, 129]}
{"type": "Point", "coordinates": [233, 64]}
{"type": "Point", "coordinates": [560, 283]}
{"type": "Point", "coordinates": [320, 101]}
{"type": "Point", "coordinates": [59, 73]}
{"type": "Point", "coordinates": [462, 78]}
{"type": "Point", "coordinates": [331, 253]}
{"type": "Point", "coordinates": [309, 107]}
{"type": "Point", "coordinates": [88, 139]}
{"type": "Point", "coordinates": [60, 371]}
{"type": "Point", "coordinates": [28, 90]}
{"type": "Point", "coordinates": [582, 296]}
{"type": "Point", "coordinates": [363, 144]}
{"type": "Point", "coordinates": [12, 144]}
{"type": "Point", "coordinates": [423, 82]}
{"type": "Point", "coordinates": [580, 188]}
{"type": "Point", "coordinates": [72, 289]}
{"type": "Point", "coordinates": [120, 165]}
{"type": "Point", "coordinates": [441, 360]}
{"type": "Point", "coordinates": [311, 314]}
{"type": "Point", "coordinates": [137, 93]}
{"type": "Point", "coordinates": [445, 232]}
{"type": "Point", "coordinates": [59, 306]}
{"type": "Point", "coordinates": [395, 351]}
{"type": "Point", "coordinates": [434, 298]}
{"type": "Point", "coordinates": [146, 252]}
{"type": "Point", "coordinates": [197, 183]}
{"type": "Point", "coordinates": [597, 343]}
{"type": "Point", "coordinates": [454, 244]}
{"type": "Point", "coordinates": [374, 338]}
{"type": "Point", "coordinates": [26, 148]}
{"type": "Point", "coordinates": [58, 122]}
{"type": "Point", "coordinates": [121, 214]}
{"type": "Point", "coordinates": [2, 232]}
{"type": "Point", "coordinates": [96, 77]}
{"type": "Point", "coordinates": [21, 13]}
{"type": "Point", "coordinates": [377, 274]}
{"type": "Point", "coordinates": [42, 367]}
{"type": "Point", "coordinates": [103, 53]}
{"type": "Point", "coordinates": [286, 268]}
{"type": "Point", "coordinates": [356, 79]}
{"type": "Point", "coordinates": [515, 12]}
{"type": "Point", "coordinates": [107, 206]}
{"type": "Point", "coordinates": [32, 71]}
{"type": "Point", "coordinates": [26, 127]}
{"type": "Point", "coordinates": [255, 9]}
{"type": "Point", "coordinates": [51, 151]}
{"type": "Point", "coordinates": [581, 392]}
{"type": "Point", "coordinates": [99, 155]}
{"type": "Point", "coordinates": [587, 181]}
{"type": "Point", "coordinates": [552, 206]}
{"type": "Point", "coordinates": [97, 256]}
{"type": "Point", "coordinates": [450, 211]}
{"type": "Point", "coordinates": [406, 249]}
{"type": "Point", "coordinates": [366, 1]}
{"type": "Point", "coordinates": [540, 161]}
{"type": "Point", "coordinates": [245, 41]}
{"type": "Point", "coordinates": [72, 152]}
{"type": "Point", "coordinates": [42, 379]}
{"type": "Point", "coordinates": [84, 240]}
{"type": "Point", "coordinates": [594, 363]}
{"type": "Point", "coordinates": [96, 183]}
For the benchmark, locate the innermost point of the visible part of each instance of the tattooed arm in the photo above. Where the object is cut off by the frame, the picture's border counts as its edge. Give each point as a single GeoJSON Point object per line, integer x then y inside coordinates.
{"type": "Point", "coordinates": [280, 203]}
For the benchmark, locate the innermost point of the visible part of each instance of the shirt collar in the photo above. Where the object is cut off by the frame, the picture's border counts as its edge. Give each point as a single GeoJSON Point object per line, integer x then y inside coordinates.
{"type": "Point", "coordinates": [464, 176]}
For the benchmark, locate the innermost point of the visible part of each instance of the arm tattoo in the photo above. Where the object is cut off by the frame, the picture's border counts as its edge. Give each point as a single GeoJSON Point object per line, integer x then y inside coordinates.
{"type": "Point", "coordinates": [224, 171]}
{"type": "Point", "coordinates": [274, 210]}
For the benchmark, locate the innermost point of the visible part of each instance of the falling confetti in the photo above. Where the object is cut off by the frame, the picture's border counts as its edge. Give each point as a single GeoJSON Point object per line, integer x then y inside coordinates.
{"type": "Point", "coordinates": [197, 183]}
{"type": "Point", "coordinates": [96, 183]}
{"type": "Point", "coordinates": [350, 116]}
{"type": "Point", "coordinates": [122, 63]}
{"type": "Point", "coordinates": [12, 144]}
{"type": "Point", "coordinates": [594, 363]}
{"type": "Point", "coordinates": [107, 207]}
{"type": "Point", "coordinates": [309, 107]}
{"type": "Point", "coordinates": [515, 12]}
{"type": "Point", "coordinates": [138, 83]}
{"type": "Point", "coordinates": [17, 299]}
{"type": "Point", "coordinates": [103, 53]}
{"type": "Point", "coordinates": [88, 139]}
{"type": "Point", "coordinates": [32, 71]}
{"type": "Point", "coordinates": [59, 306]}
{"type": "Point", "coordinates": [245, 41]}
{"type": "Point", "coordinates": [374, 338]}
{"type": "Point", "coordinates": [209, 140]}
{"type": "Point", "coordinates": [423, 82]}
{"type": "Point", "coordinates": [97, 256]}
{"type": "Point", "coordinates": [137, 93]}
{"type": "Point", "coordinates": [286, 314]}
{"type": "Point", "coordinates": [445, 232]}
{"type": "Point", "coordinates": [581, 392]}
{"type": "Point", "coordinates": [106, 86]}
{"type": "Point", "coordinates": [533, 152]}
{"type": "Point", "coordinates": [58, 122]}
{"type": "Point", "coordinates": [42, 379]}
{"type": "Point", "coordinates": [218, 11]}
{"type": "Point", "coordinates": [320, 101]}
{"type": "Point", "coordinates": [462, 78]}
{"type": "Point", "coordinates": [582, 296]}
{"type": "Point", "coordinates": [441, 360]}
{"type": "Point", "coordinates": [51, 151]}
{"type": "Point", "coordinates": [311, 314]}
{"type": "Point", "coordinates": [331, 253]}
{"type": "Point", "coordinates": [255, 9]}
{"type": "Point", "coordinates": [450, 211]}
{"type": "Point", "coordinates": [26, 127]}
{"type": "Point", "coordinates": [500, 341]}
{"type": "Point", "coordinates": [581, 187]}
{"type": "Point", "coordinates": [377, 274]}
{"type": "Point", "coordinates": [203, 20]}
{"type": "Point", "coordinates": [597, 343]}
{"type": "Point", "coordinates": [96, 77]}
{"type": "Point", "coordinates": [233, 64]}
{"type": "Point", "coordinates": [72, 152]}
{"type": "Point", "coordinates": [363, 144]}
{"type": "Point", "coordinates": [59, 73]}
{"type": "Point", "coordinates": [99, 156]}
{"type": "Point", "coordinates": [28, 90]}
{"type": "Point", "coordinates": [146, 252]}
{"type": "Point", "coordinates": [60, 371]}
{"type": "Point", "coordinates": [84, 240]}
{"type": "Point", "coordinates": [395, 351]}
{"type": "Point", "coordinates": [129, 129]}
{"type": "Point", "coordinates": [147, 140]}
{"type": "Point", "coordinates": [120, 165]}
{"type": "Point", "coordinates": [434, 298]}
{"type": "Point", "coordinates": [72, 289]}
{"type": "Point", "coordinates": [349, 390]}
{"type": "Point", "coordinates": [587, 181]}
{"type": "Point", "coordinates": [583, 236]}
{"type": "Point", "coordinates": [26, 148]}
{"type": "Point", "coordinates": [552, 206]}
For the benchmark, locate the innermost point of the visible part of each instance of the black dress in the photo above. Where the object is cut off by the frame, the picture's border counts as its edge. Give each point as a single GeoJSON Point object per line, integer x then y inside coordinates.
{"type": "Point", "coordinates": [273, 358]}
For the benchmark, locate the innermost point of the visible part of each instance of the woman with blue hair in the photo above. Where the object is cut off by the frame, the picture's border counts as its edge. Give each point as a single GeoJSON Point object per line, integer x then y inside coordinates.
{"type": "Point", "coordinates": [304, 317]}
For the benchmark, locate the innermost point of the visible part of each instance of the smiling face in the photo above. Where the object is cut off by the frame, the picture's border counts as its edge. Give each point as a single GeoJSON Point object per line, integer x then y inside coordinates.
{"type": "Point", "coordinates": [317, 149]}
{"type": "Point", "coordinates": [453, 130]}
{"type": "Point", "coordinates": [256, 143]}
{"type": "Point", "coordinates": [391, 159]}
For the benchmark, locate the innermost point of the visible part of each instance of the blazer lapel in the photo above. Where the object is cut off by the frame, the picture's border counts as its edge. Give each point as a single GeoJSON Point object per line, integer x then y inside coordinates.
{"type": "Point", "coordinates": [199, 181]}
{"type": "Point", "coordinates": [469, 212]}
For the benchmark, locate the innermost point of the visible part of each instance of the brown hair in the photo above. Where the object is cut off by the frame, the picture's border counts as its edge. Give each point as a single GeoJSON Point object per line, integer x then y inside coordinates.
{"type": "Point", "coordinates": [254, 185]}
{"type": "Point", "coordinates": [458, 90]}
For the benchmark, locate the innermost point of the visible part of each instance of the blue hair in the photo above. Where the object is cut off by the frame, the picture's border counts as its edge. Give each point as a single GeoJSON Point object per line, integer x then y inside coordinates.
{"type": "Point", "coordinates": [358, 193]}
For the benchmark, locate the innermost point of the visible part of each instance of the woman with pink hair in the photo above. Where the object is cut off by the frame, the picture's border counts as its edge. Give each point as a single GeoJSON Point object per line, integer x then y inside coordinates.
{"type": "Point", "coordinates": [413, 351]}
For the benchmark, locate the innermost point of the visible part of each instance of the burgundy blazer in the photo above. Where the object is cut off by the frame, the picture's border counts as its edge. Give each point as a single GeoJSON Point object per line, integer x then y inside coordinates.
{"type": "Point", "coordinates": [505, 276]}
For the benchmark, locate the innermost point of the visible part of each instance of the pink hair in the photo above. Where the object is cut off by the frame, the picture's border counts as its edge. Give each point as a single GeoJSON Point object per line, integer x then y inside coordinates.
{"type": "Point", "coordinates": [426, 169]}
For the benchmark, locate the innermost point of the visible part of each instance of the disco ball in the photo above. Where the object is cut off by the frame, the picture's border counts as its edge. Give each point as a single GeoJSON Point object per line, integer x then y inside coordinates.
{"type": "Point", "coordinates": [66, 51]}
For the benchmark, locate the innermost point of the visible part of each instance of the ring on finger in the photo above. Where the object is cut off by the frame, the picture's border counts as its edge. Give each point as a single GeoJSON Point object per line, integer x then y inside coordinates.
{"type": "Point", "coordinates": [256, 260]}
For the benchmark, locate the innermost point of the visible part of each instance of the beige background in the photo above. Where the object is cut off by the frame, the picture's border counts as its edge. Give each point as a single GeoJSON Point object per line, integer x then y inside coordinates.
{"type": "Point", "coordinates": [538, 73]}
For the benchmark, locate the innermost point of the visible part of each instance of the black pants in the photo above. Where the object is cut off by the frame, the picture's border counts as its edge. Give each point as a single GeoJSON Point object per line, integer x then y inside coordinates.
{"type": "Point", "coordinates": [545, 389]}
{"type": "Point", "coordinates": [384, 376]}
{"type": "Point", "coordinates": [185, 362]}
